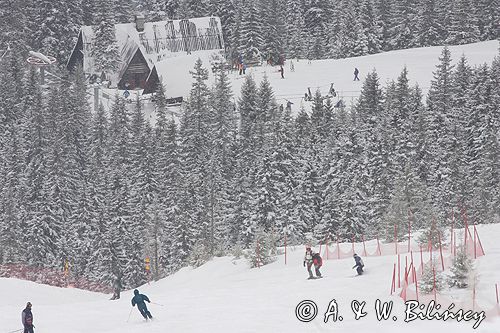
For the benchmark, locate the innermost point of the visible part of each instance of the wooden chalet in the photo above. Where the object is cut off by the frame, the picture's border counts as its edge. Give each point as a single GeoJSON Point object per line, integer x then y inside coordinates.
{"type": "Point", "coordinates": [144, 44]}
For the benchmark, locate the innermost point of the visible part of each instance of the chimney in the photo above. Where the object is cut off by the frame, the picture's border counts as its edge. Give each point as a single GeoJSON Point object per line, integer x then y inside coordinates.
{"type": "Point", "coordinates": [139, 22]}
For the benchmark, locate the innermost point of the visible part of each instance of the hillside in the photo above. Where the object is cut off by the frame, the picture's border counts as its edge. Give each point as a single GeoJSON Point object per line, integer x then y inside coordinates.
{"type": "Point", "coordinates": [224, 295]}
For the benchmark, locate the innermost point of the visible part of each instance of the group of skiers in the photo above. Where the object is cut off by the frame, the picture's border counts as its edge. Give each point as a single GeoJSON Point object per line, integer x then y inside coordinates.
{"type": "Point", "coordinates": [314, 259]}
{"type": "Point", "coordinates": [310, 259]}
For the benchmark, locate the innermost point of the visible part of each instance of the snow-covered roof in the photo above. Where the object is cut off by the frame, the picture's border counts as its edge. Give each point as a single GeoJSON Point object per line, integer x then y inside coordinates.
{"type": "Point", "coordinates": [159, 40]}
{"type": "Point", "coordinates": [174, 74]}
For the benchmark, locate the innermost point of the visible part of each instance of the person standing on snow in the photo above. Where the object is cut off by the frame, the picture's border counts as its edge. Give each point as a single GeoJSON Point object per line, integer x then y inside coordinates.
{"type": "Point", "coordinates": [359, 264]}
{"type": "Point", "coordinates": [139, 300]}
{"type": "Point", "coordinates": [27, 319]}
{"type": "Point", "coordinates": [356, 72]}
{"type": "Point", "coordinates": [117, 287]}
{"type": "Point", "coordinates": [282, 71]}
{"type": "Point", "coordinates": [308, 260]}
{"type": "Point", "coordinates": [318, 262]}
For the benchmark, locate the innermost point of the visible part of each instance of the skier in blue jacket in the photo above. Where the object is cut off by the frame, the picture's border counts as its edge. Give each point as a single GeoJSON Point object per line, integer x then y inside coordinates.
{"type": "Point", "coordinates": [139, 300]}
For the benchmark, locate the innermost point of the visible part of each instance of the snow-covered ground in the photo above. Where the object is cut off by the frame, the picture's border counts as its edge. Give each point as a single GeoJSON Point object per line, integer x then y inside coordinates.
{"type": "Point", "coordinates": [225, 295]}
{"type": "Point", "coordinates": [421, 62]}
{"type": "Point", "coordinates": [320, 74]}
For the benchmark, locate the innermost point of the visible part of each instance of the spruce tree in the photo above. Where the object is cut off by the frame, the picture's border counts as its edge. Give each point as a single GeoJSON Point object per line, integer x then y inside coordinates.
{"type": "Point", "coordinates": [461, 269]}
{"type": "Point", "coordinates": [105, 50]}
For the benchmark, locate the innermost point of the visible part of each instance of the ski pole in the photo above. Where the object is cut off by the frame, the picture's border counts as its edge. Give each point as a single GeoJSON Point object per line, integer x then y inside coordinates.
{"type": "Point", "coordinates": [129, 314]}
{"type": "Point", "coordinates": [19, 330]}
{"type": "Point", "coordinates": [158, 304]}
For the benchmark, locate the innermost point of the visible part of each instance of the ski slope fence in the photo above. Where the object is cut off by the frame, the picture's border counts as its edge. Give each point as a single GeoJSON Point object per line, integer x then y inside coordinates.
{"type": "Point", "coordinates": [51, 276]}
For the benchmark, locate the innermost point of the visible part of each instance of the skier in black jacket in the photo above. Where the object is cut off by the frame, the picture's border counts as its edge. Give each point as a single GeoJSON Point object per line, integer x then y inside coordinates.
{"type": "Point", "coordinates": [27, 319]}
{"type": "Point", "coordinates": [359, 264]}
{"type": "Point", "coordinates": [139, 300]}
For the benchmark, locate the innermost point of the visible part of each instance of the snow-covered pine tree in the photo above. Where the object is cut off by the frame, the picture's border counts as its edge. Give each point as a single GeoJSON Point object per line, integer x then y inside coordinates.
{"type": "Point", "coordinates": [194, 152]}
{"type": "Point", "coordinates": [273, 31]}
{"type": "Point", "coordinates": [461, 77]}
{"type": "Point", "coordinates": [250, 32]}
{"type": "Point", "coordinates": [294, 21]}
{"type": "Point", "coordinates": [12, 153]}
{"type": "Point", "coordinates": [126, 246]}
{"type": "Point", "coordinates": [369, 110]}
{"type": "Point", "coordinates": [143, 188]}
{"type": "Point", "coordinates": [100, 269]}
{"type": "Point", "coordinates": [463, 24]}
{"type": "Point", "coordinates": [54, 27]}
{"type": "Point", "coordinates": [105, 47]}
{"type": "Point", "coordinates": [487, 17]}
{"type": "Point", "coordinates": [481, 155]}
{"type": "Point", "coordinates": [430, 30]}
{"type": "Point", "coordinates": [222, 159]}
{"type": "Point", "coordinates": [403, 24]}
{"type": "Point", "coordinates": [432, 279]}
{"type": "Point", "coordinates": [14, 31]}
{"type": "Point", "coordinates": [227, 13]}
{"type": "Point", "coordinates": [383, 14]}
{"type": "Point", "coordinates": [433, 234]}
{"type": "Point", "coordinates": [440, 134]}
{"type": "Point", "coordinates": [351, 38]}
{"type": "Point", "coordinates": [461, 269]}
{"type": "Point", "coordinates": [369, 24]}
{"type": "Point", "coordinates": [262, 251]}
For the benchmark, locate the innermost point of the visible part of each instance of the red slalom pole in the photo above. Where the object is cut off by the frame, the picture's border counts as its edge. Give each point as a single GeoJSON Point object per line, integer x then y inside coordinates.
{"type": "Point", "coordinates": [338, 248]}
{"type": "Point", "coordinates": [393, 285]}
{"type": "Point", "coordinates": [496, 289]}
{"type": "Point", "coordinates": [396, 237]}
{"type": "Point", "coordinates": [475, 252]}
{"type": "Point", "coordinates": [421, 260]}
{"type": "Point", "coordinates": [406, 269]}
{"type": "Point", "coordinates": [479, 241]}
{"type": "Point", "coordinates": [327, 247]}
{"type": "Point", "coordinates": [285, 248]}
{"type": "Point", "coordinates": [258, 255]}
{"type": "Point", "coordinates": [399, 272]}
{"type": "Point", "coordinates": [416, 282]}
{"type": "Point", "coordinates": [451, 232]}
{"type": "Point", "coordinates": [409, 229]}
{"type": "Point", "coordinates": [441, 250]}
{"type": "Point", "coordinates": [454, 244]}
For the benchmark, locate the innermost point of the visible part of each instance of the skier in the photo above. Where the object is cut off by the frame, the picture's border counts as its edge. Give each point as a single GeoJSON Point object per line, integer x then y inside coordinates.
{"type": "Point", "coordinates": [359, 264]}
{"type": "Point", "coordinates": [356, 72]}
{"type": "Point", "coordinates": [27, 319]}
{"type": "Point", "coordinates": [117, 287]}
{"type": "Point", "coordinates": [282, 71]}
{"type": "Point", "coordinates": [308, 260]}
{"type": "Point", "coordinates": [139, 300]}
{"type": "Point", "coordinates": [318, 262]}
{"type": "Point", "coordinates": [240, 66]}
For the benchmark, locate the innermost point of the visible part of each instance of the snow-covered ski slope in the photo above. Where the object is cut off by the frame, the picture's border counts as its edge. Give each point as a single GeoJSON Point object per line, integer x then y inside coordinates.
{"type": "Point", "coordinates": [420, 62]}
{"type": "Point", "coordinates": [318, 74]}
{"type": "Point", "coordinates": [225, 295]}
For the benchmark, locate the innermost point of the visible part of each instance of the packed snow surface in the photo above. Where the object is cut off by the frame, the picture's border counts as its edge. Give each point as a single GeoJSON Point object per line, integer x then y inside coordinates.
{"type": "Point", "coordinates": [225, 295]}
{"type": "Point", "coordinates": [319, 74]}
